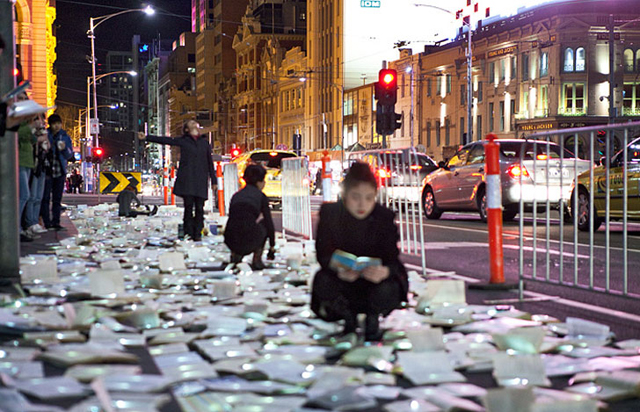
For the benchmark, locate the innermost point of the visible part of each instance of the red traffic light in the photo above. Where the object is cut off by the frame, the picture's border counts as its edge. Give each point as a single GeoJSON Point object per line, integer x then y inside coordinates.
{"type": "Point", "coordinates": [98, 151]}
{"type": "Point", "coordinates": [235, 152]}
{"type": "Point", "coordinates": [16, 72]}
{"type": "Point", "coordinates": [388, 78]}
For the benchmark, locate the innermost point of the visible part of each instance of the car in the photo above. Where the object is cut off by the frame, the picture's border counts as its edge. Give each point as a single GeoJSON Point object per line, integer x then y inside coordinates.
{"type": "Point", "coordinates": [400, 172]}
{"type": "Point", "coordinates": [272, 161]}
{"type": "Point", "coordinates": [546, 173]}
{"type": "Point", "coordinates": [582, 186]}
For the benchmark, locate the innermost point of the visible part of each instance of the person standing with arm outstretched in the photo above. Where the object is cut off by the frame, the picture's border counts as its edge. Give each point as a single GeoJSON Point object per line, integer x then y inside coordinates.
{"type": "Point", "coordinates": [360, 226]}
{"type": "Point", "coordinates": [194, 172]}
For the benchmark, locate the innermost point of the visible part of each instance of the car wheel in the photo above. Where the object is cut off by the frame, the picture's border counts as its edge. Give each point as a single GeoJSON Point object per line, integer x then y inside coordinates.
{"type": "Point", "coordinates": [508, 215]}
{"type": "Point", "coordinates": [482, 204]}
{"type": "Point", "coordinates": [431, 209]}
{"type": "Point", "coordinates": [584, 210]}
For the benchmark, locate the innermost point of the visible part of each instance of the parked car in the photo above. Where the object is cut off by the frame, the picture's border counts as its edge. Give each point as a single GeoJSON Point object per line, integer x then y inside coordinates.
{"type": "Point", "coordinates": [459, 185]}
{"type": "Point", "coordinates": [400, 172]}
{"type": "Point", "coordinates": [272, 161]}
{"type": "Point", "coordinates": [616, 189]}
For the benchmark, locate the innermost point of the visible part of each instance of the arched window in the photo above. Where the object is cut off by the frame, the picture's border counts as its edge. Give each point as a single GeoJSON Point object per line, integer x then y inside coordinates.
{"type": "Point", "coordinates": [627, 61]}
{"type": "Point", "coordinates": [568, 60]}
{"type": "Point", "coordinates": [580, 59]}
{"type": "Point", "coordinates": [637, 59]}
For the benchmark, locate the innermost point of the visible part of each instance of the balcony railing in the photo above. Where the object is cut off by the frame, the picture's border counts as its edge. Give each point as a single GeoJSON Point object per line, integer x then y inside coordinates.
{"type": "Point", "coordinates": [562, 111]}
{"type": "Point", "coordinates": [631, 111]}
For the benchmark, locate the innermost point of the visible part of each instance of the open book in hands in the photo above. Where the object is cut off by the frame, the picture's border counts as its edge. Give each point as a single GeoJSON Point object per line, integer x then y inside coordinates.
{"type": "Point", "coordinates": [341, 260]}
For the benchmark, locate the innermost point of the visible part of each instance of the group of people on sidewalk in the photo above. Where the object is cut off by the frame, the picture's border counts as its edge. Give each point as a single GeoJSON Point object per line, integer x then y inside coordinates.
{"type": "Point", "coordinates": [43, 154]}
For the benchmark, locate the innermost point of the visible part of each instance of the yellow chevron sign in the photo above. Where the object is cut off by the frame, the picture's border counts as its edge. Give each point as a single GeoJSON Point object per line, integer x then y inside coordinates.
{"type": "Point", "coordinates": [115, 182]}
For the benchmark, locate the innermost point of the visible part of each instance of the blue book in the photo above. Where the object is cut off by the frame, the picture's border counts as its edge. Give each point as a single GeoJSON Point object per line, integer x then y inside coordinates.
{"type": "Point", "coordinates": [341, 260]}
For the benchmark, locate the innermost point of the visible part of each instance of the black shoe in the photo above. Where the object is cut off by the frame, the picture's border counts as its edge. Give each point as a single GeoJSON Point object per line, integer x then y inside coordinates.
{"type": "Point", "coordinates": [197, 238]}
{"type": "Point", "coordinates": [25, 238]}
{"type": "Point", "coordinates": [350, 323]}
{"type": "Point", "coordinates": [257, 265]}
{"type": "Point", "coordinates": [235, 258]}
{"type": "Point", "coordinates": [154, 210]}
{"type": "Point", "coordinates": [372, 331]}
{"type": "Point", "coordinates": [58, 228]}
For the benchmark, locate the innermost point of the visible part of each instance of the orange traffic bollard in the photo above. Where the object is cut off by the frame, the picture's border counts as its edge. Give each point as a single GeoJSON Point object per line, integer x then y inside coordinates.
{"type": "Point", "coordinates": [165, 185]}
{"type": "Point", "coordinates": [494, 209]}
{"type": "Point", "coordinates": [326, 177]}
{"type": "Point", "coordinates": [173, 181]}
{"type": "Point", "coordinates": [493, 190]}
{"type": "Point", "coordinates": [220, 177]}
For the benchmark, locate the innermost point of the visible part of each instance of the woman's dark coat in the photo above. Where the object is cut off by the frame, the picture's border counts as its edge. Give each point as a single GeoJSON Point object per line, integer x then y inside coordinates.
{"type": "Point", "coordinates": [196, 165]}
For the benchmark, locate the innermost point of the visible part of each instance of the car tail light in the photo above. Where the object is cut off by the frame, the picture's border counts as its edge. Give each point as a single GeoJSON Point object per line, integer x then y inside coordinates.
{"type": "Point", "coordinates": [542, 157]}
{"type": "Point", "coordinates": [516, 171]}
{"type": "Point", "coordinates": [383, 174]}
{"type": "Point", "coordinates": [416, 167]}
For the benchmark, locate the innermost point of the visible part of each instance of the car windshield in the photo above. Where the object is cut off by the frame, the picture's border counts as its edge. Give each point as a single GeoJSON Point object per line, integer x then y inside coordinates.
{"type": "Point", "coordinates": [512, 150]}
{"type": "Point", "coordinates": [418, 159]}
{"type": "Point", "coordinates": [271, 160]}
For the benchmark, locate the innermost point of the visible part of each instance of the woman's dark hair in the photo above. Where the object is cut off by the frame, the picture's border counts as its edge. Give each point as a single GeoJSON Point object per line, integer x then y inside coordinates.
{"type": "Point", "coordinates": [185, 127]}
{"type": "Point", "coordinates": [254, 174]}
{"type": "Point", "coordinates": [359, 172]}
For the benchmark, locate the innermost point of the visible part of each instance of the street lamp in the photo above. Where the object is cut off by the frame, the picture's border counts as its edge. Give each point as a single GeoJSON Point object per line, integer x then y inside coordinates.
{"type": "Point", "coordinates": [93, 23]}
{"type": "Point", "coordinates": [93, 80]}
{"type": "Point", "coordinates": [469, 71]}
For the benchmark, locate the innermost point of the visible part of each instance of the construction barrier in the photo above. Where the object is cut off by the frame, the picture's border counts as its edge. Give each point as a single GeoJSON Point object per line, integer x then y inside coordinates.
{"type": "Point", "coordinates": [165, 185]}
{"type": "Point", "coordinates": [586, 193]}
{"type": "Point", "coordinates": [231, 184]}
{"type": "Point", "coordinates": [172, 184]}
{"type": "Point", "coordinates": [296, 199]}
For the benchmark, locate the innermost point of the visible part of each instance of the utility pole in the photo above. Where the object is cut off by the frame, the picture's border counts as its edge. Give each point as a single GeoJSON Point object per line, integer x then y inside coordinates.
{"type": "Point", "coordinates": [9, 218]}
{"type": "Point", "coordinates": [612, 67]}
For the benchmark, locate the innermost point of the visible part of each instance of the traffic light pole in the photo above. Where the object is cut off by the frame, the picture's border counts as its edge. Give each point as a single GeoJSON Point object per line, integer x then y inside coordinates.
{"type": "Point", "coordinates": [9, 218]}
{"type": "Point", "coordinates": [469, 88]}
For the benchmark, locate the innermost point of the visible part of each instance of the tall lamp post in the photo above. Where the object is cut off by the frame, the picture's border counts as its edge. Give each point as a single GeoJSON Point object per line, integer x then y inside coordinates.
{"type": "Point", "coordinates": [469, 68]}
{"type": "Point", "coordinates": [93, 23]}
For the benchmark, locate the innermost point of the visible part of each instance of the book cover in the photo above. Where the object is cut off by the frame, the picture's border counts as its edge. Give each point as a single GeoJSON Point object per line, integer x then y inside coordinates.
{"type": "Point", "coordinates": [341, 260]}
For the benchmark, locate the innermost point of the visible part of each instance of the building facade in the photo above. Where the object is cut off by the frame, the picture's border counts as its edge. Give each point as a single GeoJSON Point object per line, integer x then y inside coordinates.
{"type": "Point", "coordinates": [36, 47]}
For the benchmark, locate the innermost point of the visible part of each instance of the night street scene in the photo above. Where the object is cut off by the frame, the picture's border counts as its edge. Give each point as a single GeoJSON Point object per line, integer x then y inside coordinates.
{"type": "Point", "coordinates": [322, 205]}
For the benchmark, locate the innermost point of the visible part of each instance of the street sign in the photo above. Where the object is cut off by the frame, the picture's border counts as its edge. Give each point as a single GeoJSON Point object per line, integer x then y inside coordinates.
{"type": "Point", "coordinates": [115, 182]}
{"type": "Point", "coordinates": [94, 126]}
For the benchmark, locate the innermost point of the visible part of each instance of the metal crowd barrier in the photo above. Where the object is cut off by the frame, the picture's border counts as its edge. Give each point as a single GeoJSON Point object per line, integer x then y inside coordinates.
{"type": "Point", "coordinates": [398, 173]}
{"type": "Point", "coordinates": [582, 257]}
{"type": "Point", "coordinates": [296, 200]}
{"type": "Point", "coordinates": [231, 183]}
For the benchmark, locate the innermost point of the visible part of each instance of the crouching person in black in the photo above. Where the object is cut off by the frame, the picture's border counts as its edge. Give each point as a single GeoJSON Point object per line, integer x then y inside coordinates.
{"type": "Point", "coordinates": [360, 226]}
{"type": "Point", "coordinates": [250, 222]}
{"type": "Point", "coordinates": [126, 198]}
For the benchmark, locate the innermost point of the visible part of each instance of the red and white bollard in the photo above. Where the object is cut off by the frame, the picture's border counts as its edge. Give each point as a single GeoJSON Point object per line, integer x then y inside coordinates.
{"type": "Point", "coordinates": [494, 209]}
{"type": "Point", "coordinates": [165, 185]}
{"type": "Point", "coordinates": [326, 177]}
{"type": "Point", "coordinates": [173, 182]}
{"type": "Point", "coordinates": [220, 177]}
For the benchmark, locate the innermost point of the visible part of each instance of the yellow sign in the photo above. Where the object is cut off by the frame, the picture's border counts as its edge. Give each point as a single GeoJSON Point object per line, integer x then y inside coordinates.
{"type": "Point", "coordinates": [502, 52]}
{"type": "Point", "coordinates": [540, 126]}
{"type": "Point", "coordinates": [115, 182]}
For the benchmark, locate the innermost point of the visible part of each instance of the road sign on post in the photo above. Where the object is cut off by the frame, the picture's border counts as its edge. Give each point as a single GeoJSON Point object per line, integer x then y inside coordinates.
{"type": "Point", "coordinates": [94, 126]}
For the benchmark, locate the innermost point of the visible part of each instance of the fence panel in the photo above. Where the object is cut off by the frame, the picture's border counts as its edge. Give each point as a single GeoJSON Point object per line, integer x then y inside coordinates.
{"type": "Point", "coordinates": [231, 185]}
{"type": "Point", "coordinates": [296, 200]}
{"type": "Point", "coordinates": [400, 182]}
{"type": "Point", "coordinates": [602, 188]}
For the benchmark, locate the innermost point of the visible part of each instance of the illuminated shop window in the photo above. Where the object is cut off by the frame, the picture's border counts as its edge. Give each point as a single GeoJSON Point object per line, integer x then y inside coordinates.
{"type": "Point", "coordinates": [631, 99]}
{"type": "Point", "coordinates": [573, 98]}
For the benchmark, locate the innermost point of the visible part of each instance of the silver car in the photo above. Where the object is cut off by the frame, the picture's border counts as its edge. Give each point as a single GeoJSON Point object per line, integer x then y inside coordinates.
{"type": "Point", "coordinates": [459, 185]}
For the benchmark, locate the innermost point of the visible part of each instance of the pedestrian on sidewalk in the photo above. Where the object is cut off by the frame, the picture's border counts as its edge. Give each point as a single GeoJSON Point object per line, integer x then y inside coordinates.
{"type": "Point", "coordinates": [360, 226]}
{"type": "Point", "coordinates": [318, 183]}
{"type": "Point", "coordinates": [194, 172]}
{"type": "Point", "coordinates": [36, 181]}
{"type": "Point", "coordinates": [26, 163]}
{"type": "Point", "coordinates": [61, 153]}
{"type": "Point", "coordinates": [126, 198]}
{"type": "Point", "coordinates": [250, 222]}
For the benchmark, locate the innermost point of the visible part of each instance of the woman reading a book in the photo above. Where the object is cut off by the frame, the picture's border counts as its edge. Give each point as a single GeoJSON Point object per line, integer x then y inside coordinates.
{"type": "Point", "coordinates": [349, 232]}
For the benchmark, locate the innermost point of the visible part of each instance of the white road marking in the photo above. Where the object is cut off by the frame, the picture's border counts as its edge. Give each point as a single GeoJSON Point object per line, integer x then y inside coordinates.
{"type": "Point", "coordinates": [566, 302]}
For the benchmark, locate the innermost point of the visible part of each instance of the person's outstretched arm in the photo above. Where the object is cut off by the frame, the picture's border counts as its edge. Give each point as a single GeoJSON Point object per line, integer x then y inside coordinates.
{"type": "Point", "coordinates": [160, 139]}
